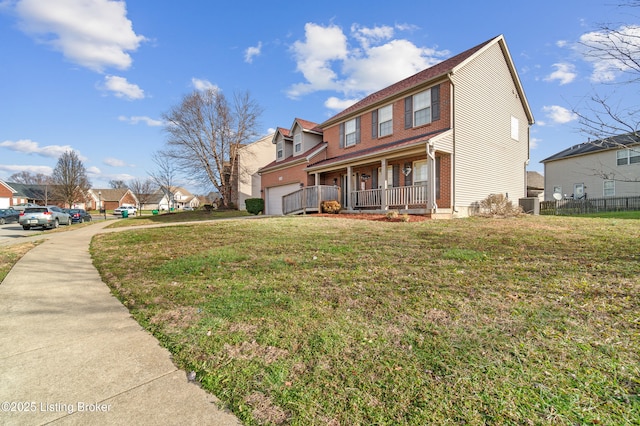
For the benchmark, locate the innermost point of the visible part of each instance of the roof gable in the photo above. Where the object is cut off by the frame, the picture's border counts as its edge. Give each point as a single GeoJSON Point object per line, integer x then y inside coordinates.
{"type": "Point", "coordinates": [401, 86]}
{"type": "Point", "coordinates": [432, 74]}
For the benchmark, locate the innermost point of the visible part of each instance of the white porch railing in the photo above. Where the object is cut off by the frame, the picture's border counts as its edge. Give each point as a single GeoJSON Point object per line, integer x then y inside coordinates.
{"type": "Point", "coordinates": [403, 196]}
{"type": "Point", "coordinates": [309, 198]}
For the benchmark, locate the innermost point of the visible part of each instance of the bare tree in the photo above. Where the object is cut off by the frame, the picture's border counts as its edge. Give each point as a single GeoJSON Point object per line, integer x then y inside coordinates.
{"type": "Point", "coordinates": [617, 49]}
{"type": "Point", "coordinates": [205, 132]}
{"type": "Point", "coordinates": [29, 178]}
{"type": "Point", "coordinates": [165, 175]}
{"type": "Point", "coordinates": [117, 184]}
{"type": "Point", "coordinates": [613, 121]}
{"type": "Point", "coordinates": [69, 179]}
{"type": "Point", "coordinates": [143, 190]}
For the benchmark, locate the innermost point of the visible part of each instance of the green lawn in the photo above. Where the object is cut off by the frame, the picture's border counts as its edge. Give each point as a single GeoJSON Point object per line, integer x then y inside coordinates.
{"type": "Point", "coordinates": [307, 320]}
{"type": "Point", "coordinates": [189, 216]}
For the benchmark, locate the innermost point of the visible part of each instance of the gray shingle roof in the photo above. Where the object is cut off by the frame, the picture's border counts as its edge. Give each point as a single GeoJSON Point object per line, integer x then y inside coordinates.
{"type": "Point", "coordinates": [590, 147]}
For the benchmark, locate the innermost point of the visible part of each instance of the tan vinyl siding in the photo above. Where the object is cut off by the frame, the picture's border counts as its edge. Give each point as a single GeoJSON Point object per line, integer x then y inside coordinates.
{"type": "Point", "coordinates": [487, 160]}
{"type": "Point", "coordinates": [589, 170]}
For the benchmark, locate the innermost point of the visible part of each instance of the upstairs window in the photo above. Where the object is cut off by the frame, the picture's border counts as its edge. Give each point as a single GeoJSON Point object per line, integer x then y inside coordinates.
{"type": "Point", "coordinates": [350, 133]}
{"type": "Point", "coordinates": [628, 156]}
{"type": "Point", "coordinates": [422, 108]}
{"type": "Point", "coordinates": [297, 142]}
{"type": "Point", "coordinates": [386, 120]}
{"type": "Point", "coordinates": [280, 149]}
{"type": "Point", "coordinates": [515, 128]}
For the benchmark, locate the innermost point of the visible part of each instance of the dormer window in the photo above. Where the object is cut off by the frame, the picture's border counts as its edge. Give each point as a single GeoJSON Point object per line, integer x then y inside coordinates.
{"type": "Point", "coordinates": [280, 149]}
{"type": "Point", "coordinates": [297, 143]}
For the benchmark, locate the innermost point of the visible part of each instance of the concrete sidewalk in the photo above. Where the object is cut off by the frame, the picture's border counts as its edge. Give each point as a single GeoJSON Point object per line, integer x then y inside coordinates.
{"type": "Point", "coordinates": [71, 354]}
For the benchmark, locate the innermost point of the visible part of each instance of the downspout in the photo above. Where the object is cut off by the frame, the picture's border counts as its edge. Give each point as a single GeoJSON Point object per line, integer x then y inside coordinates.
{"type": "Point", "coordinates": [453, 136]}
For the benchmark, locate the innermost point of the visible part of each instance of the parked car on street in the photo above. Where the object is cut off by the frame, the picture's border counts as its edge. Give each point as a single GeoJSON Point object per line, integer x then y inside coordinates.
{"type": "Point", "coordinates": [130, 209]}
{"type": "Point", "coordinates": [23, 206]}
{"type": "Point", "coordinates": [43, 216]}
{"type": "Point", "coordinates": [9, 215]}
{"type": "Point", "coordinates": [79, 215]}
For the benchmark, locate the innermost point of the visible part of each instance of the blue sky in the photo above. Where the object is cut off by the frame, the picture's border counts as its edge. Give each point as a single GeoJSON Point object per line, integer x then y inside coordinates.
{"type": "Point", "coordinates": [95, 76]}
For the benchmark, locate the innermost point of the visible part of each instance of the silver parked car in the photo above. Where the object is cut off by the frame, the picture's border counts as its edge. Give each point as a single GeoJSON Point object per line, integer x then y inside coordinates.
{"type": "Point", "coordinates": [44, 216]}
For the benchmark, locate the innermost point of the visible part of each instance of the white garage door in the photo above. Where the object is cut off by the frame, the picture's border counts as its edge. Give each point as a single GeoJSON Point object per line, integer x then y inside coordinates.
{"type": "Point", "coordinates": [4, 202]}
{"type": "Point", "coordinates": [274, 197]}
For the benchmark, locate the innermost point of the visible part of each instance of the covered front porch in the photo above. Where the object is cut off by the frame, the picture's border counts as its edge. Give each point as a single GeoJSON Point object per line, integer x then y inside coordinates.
{"type": "Point", "coordinates": [413, 180]}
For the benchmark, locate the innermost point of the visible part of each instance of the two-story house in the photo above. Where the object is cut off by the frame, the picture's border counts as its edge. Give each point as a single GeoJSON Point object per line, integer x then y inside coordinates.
{"type": "Point", "coordinates": [595, 169]}
{"type": "Point", "coordinates": [437, 142]}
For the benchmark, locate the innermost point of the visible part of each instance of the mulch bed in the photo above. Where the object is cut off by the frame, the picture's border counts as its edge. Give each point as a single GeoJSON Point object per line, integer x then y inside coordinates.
{"type": "Point", "coordinates": [374, 217]}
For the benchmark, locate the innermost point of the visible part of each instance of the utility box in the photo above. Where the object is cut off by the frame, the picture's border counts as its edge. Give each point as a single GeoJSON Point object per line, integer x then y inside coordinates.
{"type": "Point", "coordinates": [530, 205]}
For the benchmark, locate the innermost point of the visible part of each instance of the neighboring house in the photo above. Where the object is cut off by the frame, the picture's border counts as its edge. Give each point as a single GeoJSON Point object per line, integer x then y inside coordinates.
{"type": "Point", "coordinates": [535, 185]}
{"type": "Point", "coordinates": [35, 193]}
{"type": "Point", "coordinates": [252, 157]}
{"type": "Point", "coordinates": [177, 198]}
{"type": "Point", "coordinates": [438, 142]}
{"type": "Point", "coordinates": [595, 169]}
{"type": "Point", "coordinates": [6, 195]}
{"type": "Point", "coordinates": [109, 199]}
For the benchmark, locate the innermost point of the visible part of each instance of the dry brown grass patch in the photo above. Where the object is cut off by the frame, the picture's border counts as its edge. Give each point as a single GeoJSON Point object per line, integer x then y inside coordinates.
{"type": "Point", "coordinates": [252, 350]}
{"type": "Point", "coordinates": [264, 410]}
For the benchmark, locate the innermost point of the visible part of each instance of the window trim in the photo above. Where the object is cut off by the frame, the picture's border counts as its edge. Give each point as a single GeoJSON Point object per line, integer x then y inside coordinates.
{"type": "Point", "coordinates": [420, 163]}
{"type": "Point", "coordinates": [280, 150]}
{"type": "Point", "coordinates": [627, 156]}
{"type": "Point", "coordinates": [612, 189]}
{"type": "Point", "coordinates": [415, 111]}
{"type": "Point", "coordinates": [390, 120]}
{"type": "Point", "coordinates": [297, 145]}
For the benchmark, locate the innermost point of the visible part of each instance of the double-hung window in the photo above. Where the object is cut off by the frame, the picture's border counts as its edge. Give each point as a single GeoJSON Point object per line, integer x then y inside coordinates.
{"type": "Point", "coordinates": [628, 156]}
{"type": "Point", "coordinates": [420, 172]}
{"type": "Point", "coordinates": [280, 149]}
{"type": "Point", "coordinates": [609, 188]}
{"type": "Point", "coordinates": [297, 142]}
{"type": "Point", "coordinates": [350, 132]}
{"type": "Point", "coordinates": [385, 118]}
{"type": "Point", "coordinates": [422, 108]}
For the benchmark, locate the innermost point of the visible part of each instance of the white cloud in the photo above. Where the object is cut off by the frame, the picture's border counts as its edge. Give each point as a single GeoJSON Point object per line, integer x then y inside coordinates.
{"type": "Point", "coordinates": [27, 146]}
{"type": "Point", "coordinates": [564, 73]}
{"type": "Point", "coordinates": [95, 34]}
{"type": "Point", "coordinates": [11, 169]}
{"type": "Point", "coordinates": [121, 88]}
{"type": "Point", "coordinates": [141, 119]}
{"type": "Point", "coordinates": [559, 114]}
{"type": "Point", "coordinates": [93, 171]}
{"type": "Point", "coordinates": [337, 104]}
{"type": "Point", "coordinates": [251, 52]}
{"type": "Point", "coordinates": [605, 67]}
{"type": "Point", "coordinates": [533, 143]}
{"type": "Point", "coordinates": [114, 162]}
{"type": "Point", "coordinates": [368, 60]}
{"type": "Point", "coordinates": [203, 85]}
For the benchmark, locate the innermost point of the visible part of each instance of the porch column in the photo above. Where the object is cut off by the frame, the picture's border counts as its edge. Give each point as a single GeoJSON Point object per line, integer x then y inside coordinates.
{"type": "Point", "coordinates": [349, 179]}
{"type": "Point", "coordinates": [317, 178]}
{"type": "Point", "coordinates": [431, 181]}
{"type": "Point", "coordinates": [383, 195]}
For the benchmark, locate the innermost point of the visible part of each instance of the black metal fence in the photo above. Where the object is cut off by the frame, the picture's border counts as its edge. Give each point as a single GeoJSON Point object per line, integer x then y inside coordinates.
{"type": "Point", "coordinates": [589, 205]}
